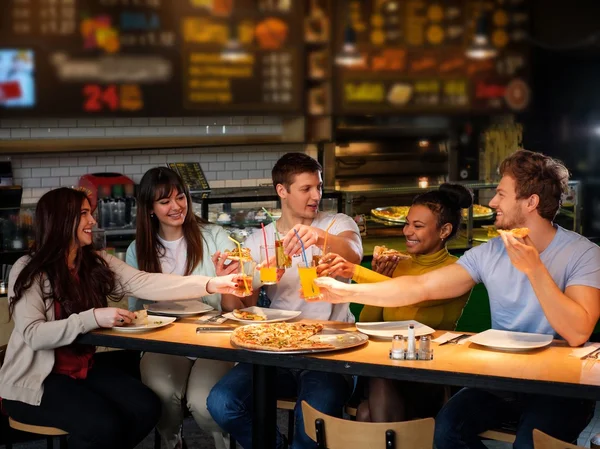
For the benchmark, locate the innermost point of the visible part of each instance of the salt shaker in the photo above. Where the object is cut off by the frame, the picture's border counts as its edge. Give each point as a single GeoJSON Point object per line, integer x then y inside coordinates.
{"type": "Point", "coordinates": [411, 350]}
{"type": "Point", "coordinates": [397, 351]}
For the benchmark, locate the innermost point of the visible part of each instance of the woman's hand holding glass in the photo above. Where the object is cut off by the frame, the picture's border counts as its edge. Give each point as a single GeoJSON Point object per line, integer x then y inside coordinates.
{"type": "Point", "coordinates": [113, 316]}
{"type": "Point", "coordinates": [333, 265]}
{"type": "Point", "coordinates": [332, 291]}
{"type": "Point", "coordinates": [226, 285]}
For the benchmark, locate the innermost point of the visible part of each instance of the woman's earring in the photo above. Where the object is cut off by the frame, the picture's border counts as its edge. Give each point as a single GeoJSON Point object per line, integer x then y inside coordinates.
{"type": "Point", "coordinates": [152, 214]}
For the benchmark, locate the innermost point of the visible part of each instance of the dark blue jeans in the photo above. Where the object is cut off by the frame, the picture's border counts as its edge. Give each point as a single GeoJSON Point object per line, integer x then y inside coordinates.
{"type": "Point", "coordinates": [472, 411]}
{"type": "Point", "coordinates": [230, 401]}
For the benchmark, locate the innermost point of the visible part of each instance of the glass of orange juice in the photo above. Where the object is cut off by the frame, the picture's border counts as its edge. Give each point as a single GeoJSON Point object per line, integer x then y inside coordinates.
{"type": "Point", "coordinates": [268, 273]}
{"type": "Point", "coordinates": [245, 279]}
{"type": "Point", "coordinates": [318, 253]}
{"type": "Point", "coordinates": [308, 274]}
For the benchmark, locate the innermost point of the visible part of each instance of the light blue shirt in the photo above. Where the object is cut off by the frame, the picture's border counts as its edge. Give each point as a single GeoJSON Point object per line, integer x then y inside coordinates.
{"type": "Point", "coordinates": [570, 258]}
{"type": "Point", "coordinates": [215, 239]}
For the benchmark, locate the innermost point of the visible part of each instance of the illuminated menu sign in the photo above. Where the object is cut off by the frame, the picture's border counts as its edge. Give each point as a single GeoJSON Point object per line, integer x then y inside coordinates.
{"type": "Point", "coordinates": [149, 57]}
{"type": "Point", "coordinates": [415, 61]}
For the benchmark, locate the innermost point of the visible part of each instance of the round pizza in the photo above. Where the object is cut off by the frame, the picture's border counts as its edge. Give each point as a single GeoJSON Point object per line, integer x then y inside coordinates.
{"type": "Point", "coordinates": [279, 337]}
{"type": "Point", "coordinates": [392, 213]}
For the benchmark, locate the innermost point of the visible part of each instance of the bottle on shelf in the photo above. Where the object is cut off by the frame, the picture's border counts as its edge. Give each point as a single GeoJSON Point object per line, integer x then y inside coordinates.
{"type": "Point", "coordinates": [130, 206]}
{"type": "Point", "coordinates": [104, 209]}
{"type": "Point", "coordinates": [118, 206]}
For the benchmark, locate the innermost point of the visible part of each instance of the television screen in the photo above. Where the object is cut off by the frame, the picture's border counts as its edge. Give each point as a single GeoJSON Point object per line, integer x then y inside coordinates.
{"type": "Point", "coordinates": [17, 78]}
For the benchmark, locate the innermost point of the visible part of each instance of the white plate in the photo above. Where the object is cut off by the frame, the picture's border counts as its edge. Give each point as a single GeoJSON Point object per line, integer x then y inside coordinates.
{"type": "Point", "coordinates": [179, 308]}
{"type": "Point", "coordinates": [387, 329]}
{"type": "Point", "coordinates": [511, 341]}
{"type": "Point", "coordinates": [154, 322]}
{"type": "Point", "coordinates": [271, 315]}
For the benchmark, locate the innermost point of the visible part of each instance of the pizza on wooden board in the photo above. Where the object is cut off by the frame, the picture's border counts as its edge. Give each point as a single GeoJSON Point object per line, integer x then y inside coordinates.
{"type": "Point", "coordinates": [519, 233]}
{"type": "Point", "coordinates": [279, 337]}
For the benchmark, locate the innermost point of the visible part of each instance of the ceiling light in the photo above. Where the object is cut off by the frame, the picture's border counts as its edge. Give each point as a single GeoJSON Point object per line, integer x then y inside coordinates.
{"type": "Point", "coordinates": [481, 48]}
{"type": "Point", "coordinates": [349, 56]}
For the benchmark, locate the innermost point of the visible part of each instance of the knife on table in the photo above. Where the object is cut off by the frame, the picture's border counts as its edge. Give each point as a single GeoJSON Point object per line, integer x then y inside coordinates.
{"type": "Point", "coordinates": [202, 329]}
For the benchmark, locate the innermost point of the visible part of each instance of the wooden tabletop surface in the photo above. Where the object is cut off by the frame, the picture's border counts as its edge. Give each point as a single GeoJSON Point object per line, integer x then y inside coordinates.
{"type": "Point", "coordinates": [548, 370]}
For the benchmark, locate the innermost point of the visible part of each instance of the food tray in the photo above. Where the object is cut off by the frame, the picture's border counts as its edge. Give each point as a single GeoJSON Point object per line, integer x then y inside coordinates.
{"type": "Point", "coordinates": [339, 339]}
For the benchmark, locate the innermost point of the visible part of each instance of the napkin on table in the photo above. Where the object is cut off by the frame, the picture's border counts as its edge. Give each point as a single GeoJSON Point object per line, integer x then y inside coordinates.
{"type": "Point", "coordinates": [587, 348]}
{"type": "Point", "coordinates": [445, 337]}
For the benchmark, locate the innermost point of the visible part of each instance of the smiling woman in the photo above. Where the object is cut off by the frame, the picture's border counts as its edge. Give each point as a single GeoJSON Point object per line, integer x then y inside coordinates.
{"type": "Point", "coordinates": [60, 290]}
{"type": "Point", "coordinates": [433, 218]}
{"type": "Point", "coordinates": [171, 239]}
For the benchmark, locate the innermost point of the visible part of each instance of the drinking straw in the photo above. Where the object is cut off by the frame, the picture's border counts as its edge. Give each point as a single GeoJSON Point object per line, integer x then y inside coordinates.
{"type": "Point", "coordinates": [266, 246]}
{"type": "Point", "coordinates": [327, 235]}
{"type": "Point", "coordinates": [241, 263]}
{"type": "Point", "coordinates": [303, 250]}
{"type": "Point", "coordinates": [277, 236]}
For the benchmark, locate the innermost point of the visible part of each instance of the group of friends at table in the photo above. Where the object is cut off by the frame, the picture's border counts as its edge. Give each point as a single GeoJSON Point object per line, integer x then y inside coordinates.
{"type": "Point", "coordinates": [548, 282]}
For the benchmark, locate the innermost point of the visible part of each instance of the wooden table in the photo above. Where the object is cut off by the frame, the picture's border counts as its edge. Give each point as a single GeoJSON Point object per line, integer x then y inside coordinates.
{"type": "Point", "coordinates": [547, 371]}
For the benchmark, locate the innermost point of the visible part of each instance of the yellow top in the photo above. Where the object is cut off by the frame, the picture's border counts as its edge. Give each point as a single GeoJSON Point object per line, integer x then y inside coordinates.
{"type": "Point", "coordinates": [439, 314]}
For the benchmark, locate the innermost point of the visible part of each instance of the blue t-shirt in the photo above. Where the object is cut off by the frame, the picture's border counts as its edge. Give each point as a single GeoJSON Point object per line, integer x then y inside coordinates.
{"type": "Point", "coordinates": [570, 258]}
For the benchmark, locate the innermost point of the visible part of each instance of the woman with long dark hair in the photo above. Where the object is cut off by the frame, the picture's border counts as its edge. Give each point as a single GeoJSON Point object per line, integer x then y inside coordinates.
{"type": "Point", "coordinates": [171, 239]}
{"type": "Point", "coordinates": [59, 291]}
{"type": "Point", "coordinates": [433, 219]}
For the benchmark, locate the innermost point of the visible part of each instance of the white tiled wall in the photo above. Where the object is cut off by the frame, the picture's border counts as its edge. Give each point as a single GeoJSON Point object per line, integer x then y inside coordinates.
{"type": "Point", "coordinates": [138, 127]}
{"type": "Point", "coordinates": [224, 166]}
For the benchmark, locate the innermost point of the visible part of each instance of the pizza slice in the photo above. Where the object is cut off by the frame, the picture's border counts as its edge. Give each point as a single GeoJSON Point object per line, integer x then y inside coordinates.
{"type": "Point", "coordinates": [141, 318]}
{"type": "Point", "coordinates": [383, 251]}
{"type": "Point", "coordinates": [519, 233]}
{"type": "Point", "coordinates": [244, 256]}
{"type": "Point", "coordinates": [248, 316]}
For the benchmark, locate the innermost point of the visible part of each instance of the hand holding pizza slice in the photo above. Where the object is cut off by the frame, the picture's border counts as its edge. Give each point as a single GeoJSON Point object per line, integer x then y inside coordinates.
{"type": "Point", "coordinates": [523, 254]}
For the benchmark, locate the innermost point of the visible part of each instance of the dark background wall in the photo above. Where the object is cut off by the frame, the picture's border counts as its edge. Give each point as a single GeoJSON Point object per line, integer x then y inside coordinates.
{"type": "Point", "coordinates": [564, 119]}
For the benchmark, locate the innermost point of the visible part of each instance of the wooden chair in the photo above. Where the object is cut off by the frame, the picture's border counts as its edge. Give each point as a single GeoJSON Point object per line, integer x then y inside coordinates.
{"type": "Point", "coordinates": [49, 432]}
{"type": "Point", "coordinates": [499, 435]}
{"type": "Point", "coordinates": [544, 441]}
{"type": "Point", "coordinates": [335, 433]}
{"type": "Point", "coordinates": [288, 405]}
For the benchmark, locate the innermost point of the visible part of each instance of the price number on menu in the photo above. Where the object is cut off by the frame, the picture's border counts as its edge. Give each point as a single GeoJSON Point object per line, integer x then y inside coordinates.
{"type": "Point", "coordinates": [126, 97]}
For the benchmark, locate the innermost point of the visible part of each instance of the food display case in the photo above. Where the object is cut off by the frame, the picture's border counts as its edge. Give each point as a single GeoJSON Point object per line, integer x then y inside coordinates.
{"type": "Point", "coordinates": [240, 210]}
{"type": "Point", "coordinates": [385, 210]}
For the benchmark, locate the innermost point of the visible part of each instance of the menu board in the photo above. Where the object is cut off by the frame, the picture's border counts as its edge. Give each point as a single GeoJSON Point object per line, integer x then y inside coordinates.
{"type": "Point", "coordinates": [149, 57]}
{"type": "Point", "coordinates": [415, 57]}
{"type": "Point", "coordinates": [192, 174]}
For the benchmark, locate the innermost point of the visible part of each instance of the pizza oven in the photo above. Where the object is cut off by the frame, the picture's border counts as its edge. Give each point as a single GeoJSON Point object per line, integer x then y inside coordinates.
{"type": "Point", "coordinates": [370, 157]}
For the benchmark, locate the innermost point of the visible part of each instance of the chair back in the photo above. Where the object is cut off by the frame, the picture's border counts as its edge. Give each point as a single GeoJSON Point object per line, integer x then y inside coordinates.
{"type": "Point", "coordinates": [544, 441]}
{"type": "Point", "coordinates": [335, 433]}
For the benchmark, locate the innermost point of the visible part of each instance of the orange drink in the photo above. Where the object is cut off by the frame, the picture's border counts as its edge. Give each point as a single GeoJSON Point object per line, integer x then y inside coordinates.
{"type": "Point", "coordinates": [283, 260]}
{"type": "Point", "coordinates": [244, 287]}
{"type": "Point", "coordinates": [308, 273]}
{"type": "Point", "coordinates": [268, 268]}
{"type": "Point", "coordinates": [268, 275]}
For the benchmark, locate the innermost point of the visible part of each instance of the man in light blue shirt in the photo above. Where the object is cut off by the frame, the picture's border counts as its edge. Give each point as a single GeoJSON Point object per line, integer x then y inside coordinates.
{"type": "Point", "coordinates": [548, 282]}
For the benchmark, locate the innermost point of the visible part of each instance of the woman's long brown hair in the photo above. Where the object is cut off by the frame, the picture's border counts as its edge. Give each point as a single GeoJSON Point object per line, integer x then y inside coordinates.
{"type": "Point", "coordinates": [158, 183]}
{"type": "Point", "coordinates": [57, 217]}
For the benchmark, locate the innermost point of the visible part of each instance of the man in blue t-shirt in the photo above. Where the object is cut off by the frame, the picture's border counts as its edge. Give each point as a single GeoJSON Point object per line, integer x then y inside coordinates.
{"type": "Point", "coordinates": [548, 282]}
